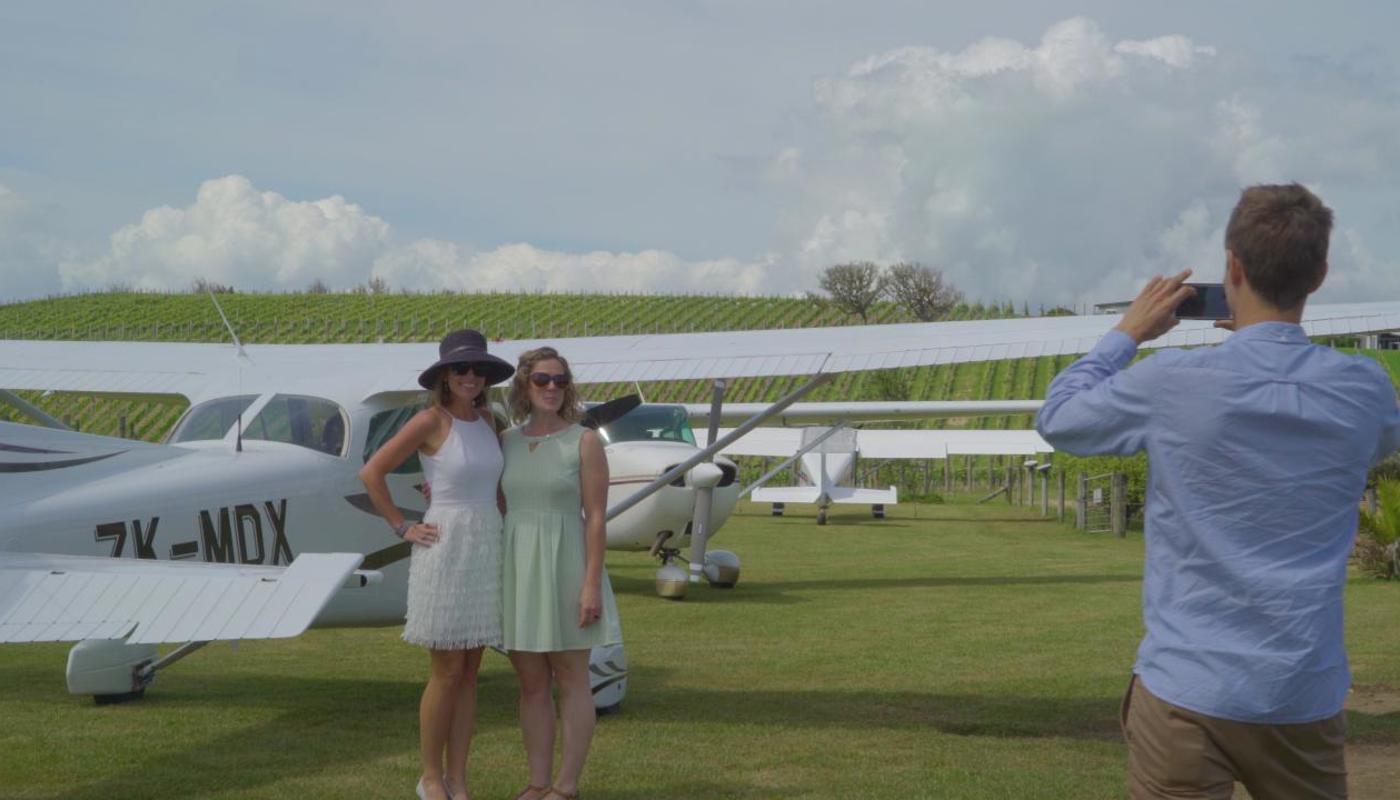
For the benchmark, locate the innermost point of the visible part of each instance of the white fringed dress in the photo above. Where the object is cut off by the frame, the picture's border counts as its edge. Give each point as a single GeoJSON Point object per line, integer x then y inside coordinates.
{"type": "Point", "coordinates": [454, 586]}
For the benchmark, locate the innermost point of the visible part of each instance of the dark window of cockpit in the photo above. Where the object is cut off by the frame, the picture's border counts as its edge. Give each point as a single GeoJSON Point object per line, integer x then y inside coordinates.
{"type": "Point", "coordinates": [304, 421]}
{"type": "Point", "coordinates": [383, 426]}
{"type": "Point", "coordinates": [648, 423]}
{"type": "Point", "coordinates": [210, 420]}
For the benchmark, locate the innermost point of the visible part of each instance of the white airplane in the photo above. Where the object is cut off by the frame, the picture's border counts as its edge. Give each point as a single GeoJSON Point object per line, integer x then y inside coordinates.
{"type": "Point", "coordinates": [248, 521]}
{"type": "Point", "coordinates": [827, 457]}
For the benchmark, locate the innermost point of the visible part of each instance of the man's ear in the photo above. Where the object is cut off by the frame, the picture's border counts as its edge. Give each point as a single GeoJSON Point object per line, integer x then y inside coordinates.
{"type": "Point", "coordinates": [1321, 276]}
{"type": "Point", "coordinates": [1234, 270]}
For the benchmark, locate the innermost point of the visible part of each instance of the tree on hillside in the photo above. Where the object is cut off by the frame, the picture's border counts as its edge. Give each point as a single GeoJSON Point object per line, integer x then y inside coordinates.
{"type": "Point", "coordinates": [318, 286]}
{"type": "Point", "coordinates": [202, 286]}
{"type": "Point", "coordinates": [921, 290]}
{"type": "Point", "coordinates": [854, 287]}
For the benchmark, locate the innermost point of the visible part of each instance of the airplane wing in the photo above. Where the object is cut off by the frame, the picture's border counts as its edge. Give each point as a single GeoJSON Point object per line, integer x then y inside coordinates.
{"type": "Point", "coordinates": [852, 495]}
{"type": "Point", "coordinates": [863, 411]}
{"type": "Point", "coordinates": [883, 444]}
{"type": "Point", "coordinates": [55, 598]}
{"type": "Point", "coordinates": [786, 494]}
{"type": "Point", "coordinates": [365, 370]}
{"type": "Point", "coordinates": [886, 444]}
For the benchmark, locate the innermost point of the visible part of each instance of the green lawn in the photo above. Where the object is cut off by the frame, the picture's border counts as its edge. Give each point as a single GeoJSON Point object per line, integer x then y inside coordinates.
{"type": "Point", "coordinates": [953, 651]}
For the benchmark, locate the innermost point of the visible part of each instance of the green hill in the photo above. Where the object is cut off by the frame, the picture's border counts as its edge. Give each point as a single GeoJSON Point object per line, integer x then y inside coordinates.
{"type": "Point", "coordinates": [319, 318]}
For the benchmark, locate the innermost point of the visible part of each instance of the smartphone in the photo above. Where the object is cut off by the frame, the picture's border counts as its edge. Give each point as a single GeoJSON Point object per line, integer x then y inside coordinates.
{"type": "Point", "coordinates": [1207, 303]}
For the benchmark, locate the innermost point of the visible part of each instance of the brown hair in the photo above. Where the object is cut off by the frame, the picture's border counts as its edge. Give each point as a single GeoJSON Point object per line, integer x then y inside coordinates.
{"type": "Point", "coordinates": [570, 410]}
{"type": "Point", "coordinates": [1280, 233]}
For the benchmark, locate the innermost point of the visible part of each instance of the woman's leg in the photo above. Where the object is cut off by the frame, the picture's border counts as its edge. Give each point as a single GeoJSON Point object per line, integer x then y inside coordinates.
{"type": "Point", "coordinates": [536, 713]}
{"type": "Point", "coordinates": [459, 737]}
{"type": "Point", "coordinates": [577, 713]}
{"type": "Point", "coordinates": [435, 713]}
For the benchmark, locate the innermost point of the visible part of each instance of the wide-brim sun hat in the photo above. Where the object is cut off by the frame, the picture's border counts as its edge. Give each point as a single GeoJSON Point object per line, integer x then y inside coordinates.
{"type": "Point", "coordinates": [467, 347]}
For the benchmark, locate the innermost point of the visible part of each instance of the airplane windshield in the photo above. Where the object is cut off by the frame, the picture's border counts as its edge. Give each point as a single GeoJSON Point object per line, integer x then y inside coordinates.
{"type": "Point", "coordinates": [211, 420]}
{"type": "Point", "coordinates": [304, 421]}
{"type": "Point", "coordinates": [650, 423]}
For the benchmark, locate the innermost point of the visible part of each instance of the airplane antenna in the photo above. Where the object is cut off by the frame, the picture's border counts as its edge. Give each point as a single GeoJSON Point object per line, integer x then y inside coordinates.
{"type": "Point", "coordinates": [224, 317]}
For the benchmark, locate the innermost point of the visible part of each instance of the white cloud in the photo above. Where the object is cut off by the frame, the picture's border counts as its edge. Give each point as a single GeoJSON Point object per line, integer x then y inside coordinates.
{"type": "Point", "coordinates": [1071, 169]}
{"type": "Point", "coordinates": [236, 234]}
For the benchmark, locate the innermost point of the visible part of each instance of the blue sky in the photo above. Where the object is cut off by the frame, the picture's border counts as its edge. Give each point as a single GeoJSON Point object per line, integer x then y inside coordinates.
{"type": "Point", "coordinates": [1037, 151]}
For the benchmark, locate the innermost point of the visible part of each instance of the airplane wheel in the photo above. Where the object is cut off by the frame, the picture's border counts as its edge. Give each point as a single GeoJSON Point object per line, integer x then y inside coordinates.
{"type": "Point", "coordinates": [877, 511]}
{"type": "Point", "coordinates": [821, 517]}
{"type": "Point", "coordinates": [115, 699]}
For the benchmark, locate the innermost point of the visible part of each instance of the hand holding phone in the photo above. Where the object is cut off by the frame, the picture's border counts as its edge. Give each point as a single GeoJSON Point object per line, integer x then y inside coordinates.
{"type": "Point", "coordinates": [1208, 302]}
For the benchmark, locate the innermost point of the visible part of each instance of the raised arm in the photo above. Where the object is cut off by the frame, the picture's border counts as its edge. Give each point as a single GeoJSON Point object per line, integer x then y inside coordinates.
{"type": "Point", "coordinates": [593, 483]}
{"type": "Point", "coordinates": [425, 429]}
{"type": "Point", "coordinates": [1098, 406]}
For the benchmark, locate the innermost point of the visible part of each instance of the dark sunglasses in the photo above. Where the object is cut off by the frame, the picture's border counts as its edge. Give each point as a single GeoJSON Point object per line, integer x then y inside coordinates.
{"type": "Point", "coordinates": [463, 369]}
{"type": "Point", "coordinates": [544, 379]}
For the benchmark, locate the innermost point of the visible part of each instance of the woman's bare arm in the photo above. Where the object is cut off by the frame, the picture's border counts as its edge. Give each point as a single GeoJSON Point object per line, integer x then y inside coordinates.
{"type": "Point", "coordinates": [423, 431]}
{"type": "Point", "coordinates": [593, 483]}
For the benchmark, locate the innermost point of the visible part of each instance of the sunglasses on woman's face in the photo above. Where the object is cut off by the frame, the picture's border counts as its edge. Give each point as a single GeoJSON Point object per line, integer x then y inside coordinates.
{"type": "Point", "coordinates": [463, 369]}
{"type": "Point", "coordinates": [543, 379]}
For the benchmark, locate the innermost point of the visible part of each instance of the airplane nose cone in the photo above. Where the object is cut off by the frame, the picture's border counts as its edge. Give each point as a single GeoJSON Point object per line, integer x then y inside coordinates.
{"type": "Point", "coordinates": [704, 476]}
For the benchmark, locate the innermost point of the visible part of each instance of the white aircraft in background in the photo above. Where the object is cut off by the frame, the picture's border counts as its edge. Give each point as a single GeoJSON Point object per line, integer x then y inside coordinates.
{"type": "Point", "coordinates": [247, 522]}
{"type": "Point", "coordinates": [827, 457]}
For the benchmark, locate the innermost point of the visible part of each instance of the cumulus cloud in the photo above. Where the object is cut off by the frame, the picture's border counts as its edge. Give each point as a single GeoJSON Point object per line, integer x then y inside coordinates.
{"type": "Point", "coordinates": [1068, 170]}
{"type": "Point", "coordinates": [235, 233]}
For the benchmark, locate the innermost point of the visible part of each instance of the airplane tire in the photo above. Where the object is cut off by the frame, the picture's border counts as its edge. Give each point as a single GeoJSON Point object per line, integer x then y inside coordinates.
{"type": "Point", "coordinates": [821, 517]}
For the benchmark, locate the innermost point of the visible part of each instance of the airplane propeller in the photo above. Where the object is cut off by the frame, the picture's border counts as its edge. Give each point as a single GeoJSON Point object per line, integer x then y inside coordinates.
{"type": "Point", "coordinates": [605, 413]}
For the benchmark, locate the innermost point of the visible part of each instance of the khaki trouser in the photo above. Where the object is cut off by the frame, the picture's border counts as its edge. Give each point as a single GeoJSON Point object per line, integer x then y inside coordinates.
{"type": "Point", "coordinates": [1173, 752]}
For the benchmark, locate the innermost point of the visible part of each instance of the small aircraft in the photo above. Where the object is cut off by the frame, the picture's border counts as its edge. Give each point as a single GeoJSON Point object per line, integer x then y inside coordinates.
{"type": "Point", "coordinates": [248, 521]}
{"type": "Point", "coordinates": [828, 456]}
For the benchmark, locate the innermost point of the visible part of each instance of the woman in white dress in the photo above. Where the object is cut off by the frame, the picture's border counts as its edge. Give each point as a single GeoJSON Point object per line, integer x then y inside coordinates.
{"type": "Point", "coordinates": [454, 578]}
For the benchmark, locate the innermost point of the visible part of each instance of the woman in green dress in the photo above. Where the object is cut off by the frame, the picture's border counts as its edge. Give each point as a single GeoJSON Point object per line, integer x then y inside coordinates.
{"type": "Point", "coordinates": [556, 601]}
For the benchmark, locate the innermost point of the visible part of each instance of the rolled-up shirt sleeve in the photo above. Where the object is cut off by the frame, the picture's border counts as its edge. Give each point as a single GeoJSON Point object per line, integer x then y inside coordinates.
{"type": "Point", "coordinates": [1098, 406]}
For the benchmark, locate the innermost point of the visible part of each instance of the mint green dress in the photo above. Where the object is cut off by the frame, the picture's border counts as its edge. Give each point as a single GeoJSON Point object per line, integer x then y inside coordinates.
{"type": "Point", "coordinates": [543, 558]}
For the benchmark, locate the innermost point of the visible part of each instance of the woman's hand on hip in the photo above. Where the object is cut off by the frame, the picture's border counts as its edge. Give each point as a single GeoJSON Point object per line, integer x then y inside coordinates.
{"type": "Point", "coordinates": [423, 533]}
{"type": "Point", "coordinates": [590, 606]}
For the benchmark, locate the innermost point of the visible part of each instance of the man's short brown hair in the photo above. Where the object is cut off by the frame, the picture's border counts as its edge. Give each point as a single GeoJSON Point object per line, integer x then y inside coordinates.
{"type": "Point", "coordinates": [1280, 234]}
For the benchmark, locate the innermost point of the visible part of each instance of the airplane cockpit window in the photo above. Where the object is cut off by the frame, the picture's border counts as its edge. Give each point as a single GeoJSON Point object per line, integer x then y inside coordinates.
{"type": "Point", "coordinates": [650, 423]}
{"type": "Point", "coordinates": [211, 419]}
{"type": "Point", "coordinates": [300, 420]}
{"type": "Point", "coordinates": [383, 426]}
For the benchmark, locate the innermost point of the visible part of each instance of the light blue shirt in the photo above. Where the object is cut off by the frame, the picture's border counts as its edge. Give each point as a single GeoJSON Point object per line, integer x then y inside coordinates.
{"type": "Point", "coordinates": [1257, 456]}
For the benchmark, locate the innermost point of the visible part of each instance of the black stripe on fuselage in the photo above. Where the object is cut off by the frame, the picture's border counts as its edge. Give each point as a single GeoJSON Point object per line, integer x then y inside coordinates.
{"type": "Point", "coordinates": [40, 466]}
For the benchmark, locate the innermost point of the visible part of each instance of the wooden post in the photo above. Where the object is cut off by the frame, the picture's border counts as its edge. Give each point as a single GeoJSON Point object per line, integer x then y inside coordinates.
{"type": "Point", "coordinates": [121, 426]}
{"type": "Point", "coordinates": [1081, 506]}
{"type": "Point", "coordinates": [1119, 505]}
{"type": "Point", "coordinates": [1045, 493]}
{"type": "Point", "coordinates": [1010, 481]}
{"type": "Point", "coordinates": [1370, 495]}
{"type": "Point", "coordinates": [947, 476]}
{"type": "Point", "coordinates": [967, 465]}
{"type": "Point", "coordinates": [1060, 482]}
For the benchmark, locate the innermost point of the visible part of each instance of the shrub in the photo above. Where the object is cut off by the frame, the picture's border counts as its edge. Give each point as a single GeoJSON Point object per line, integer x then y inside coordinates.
{"type": "Point", "coordinates": [1378, 535]}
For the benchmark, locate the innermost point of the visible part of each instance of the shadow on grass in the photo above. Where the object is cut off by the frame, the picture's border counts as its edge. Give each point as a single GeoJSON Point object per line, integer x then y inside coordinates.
{"type": "Point", "coordinates": [307, 727]}
{"type": "Point", "coordinates": [779, 591]}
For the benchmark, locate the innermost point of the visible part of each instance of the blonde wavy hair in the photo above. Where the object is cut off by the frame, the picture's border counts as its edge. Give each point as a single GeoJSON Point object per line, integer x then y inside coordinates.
{"type": "Point", "coordinates": [571, 410]}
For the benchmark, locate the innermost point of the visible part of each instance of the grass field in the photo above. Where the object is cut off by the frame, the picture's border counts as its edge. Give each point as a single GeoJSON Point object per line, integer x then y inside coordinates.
{"type": "Point", "coordinates": [951, 651]}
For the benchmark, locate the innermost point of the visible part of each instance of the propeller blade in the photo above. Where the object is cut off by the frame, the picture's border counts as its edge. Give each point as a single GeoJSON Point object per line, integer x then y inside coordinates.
{"type": "Point", "coordinates": [604, 413]}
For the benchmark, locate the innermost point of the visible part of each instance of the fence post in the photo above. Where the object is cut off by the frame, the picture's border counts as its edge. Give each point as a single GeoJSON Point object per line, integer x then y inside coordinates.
{"type": "Point", "coordinates": [121, 426]}
{"type": "Point", "coordinates": [1010, 482]}
{"type": "Point", "coordinates": [947, 476]}
{"type": "Point", "coordinates": [1370, 496]}
{"type": "Point", "coordinates": [1081, 506]}
{"type": "Point", "coordinates": [1119, 507]}
{"type": "Point", "coordinates": [1060, 481]}
{"type": "Point", "coordinates": [1045, 494]}
{"type": "Point", "coordinates": [967, 464]}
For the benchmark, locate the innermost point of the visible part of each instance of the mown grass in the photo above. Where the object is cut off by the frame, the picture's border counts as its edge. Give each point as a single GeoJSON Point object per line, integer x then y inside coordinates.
{"type": "Point", "coordinates": [954, 651]}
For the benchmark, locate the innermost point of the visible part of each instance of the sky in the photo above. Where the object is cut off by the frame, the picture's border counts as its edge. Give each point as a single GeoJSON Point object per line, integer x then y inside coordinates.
{"type": "Point", "coordinates": [1046, 153]}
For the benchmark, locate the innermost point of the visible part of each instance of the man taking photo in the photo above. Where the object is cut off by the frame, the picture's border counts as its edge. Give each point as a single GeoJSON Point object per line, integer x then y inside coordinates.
{"type": "Point", "coordinates": [1258, 451]}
